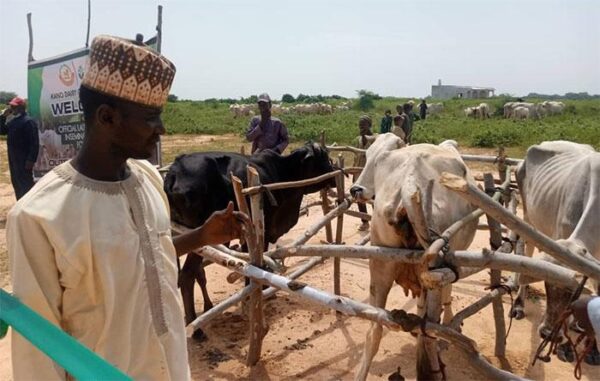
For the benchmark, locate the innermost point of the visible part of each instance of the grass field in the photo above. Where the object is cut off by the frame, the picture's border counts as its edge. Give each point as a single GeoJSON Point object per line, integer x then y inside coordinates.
{"type": "Point", "coordinates": [580, 123]}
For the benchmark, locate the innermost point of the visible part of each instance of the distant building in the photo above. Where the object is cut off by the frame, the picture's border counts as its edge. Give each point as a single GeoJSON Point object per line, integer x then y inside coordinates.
{"type": "Point", "coordinates": [451, 91]}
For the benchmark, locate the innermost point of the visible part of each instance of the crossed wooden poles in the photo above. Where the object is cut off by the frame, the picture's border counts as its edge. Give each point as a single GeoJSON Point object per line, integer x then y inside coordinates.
{"type": "Point", "coordinates": [467, 263]}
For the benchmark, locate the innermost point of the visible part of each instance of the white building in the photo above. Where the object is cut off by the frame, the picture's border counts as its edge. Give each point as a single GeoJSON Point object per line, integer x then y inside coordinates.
{"type": "Point", "coordinates": [452, 91]}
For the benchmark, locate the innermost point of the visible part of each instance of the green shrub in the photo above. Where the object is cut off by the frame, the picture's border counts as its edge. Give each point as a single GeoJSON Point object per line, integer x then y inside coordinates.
{"type": "Point", "coordinates": [288, 98]}
{"type": "Point", "coordinates": [492, 138]}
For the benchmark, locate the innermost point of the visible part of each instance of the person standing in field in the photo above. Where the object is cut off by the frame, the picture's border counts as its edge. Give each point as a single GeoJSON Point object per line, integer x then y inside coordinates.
{"type": "Point", "coordinates": [266, 132]}
{"type": "Point", "coordinates": [407, 126]}
{"type": "Point", "coordinates": [23, 145]}
{"type": "Point", "coordinates": [402, 124]}
{"type": "Point", "coordinates": [397, 127]}
{"type": "Point", "coordinates": [363, 141]}
{"type": "Point", "coordinates": [386, 122]}
{"type": "Point", "coordinates": [423, 109]}
{"type": "Point", "coordinates": [90, 244]}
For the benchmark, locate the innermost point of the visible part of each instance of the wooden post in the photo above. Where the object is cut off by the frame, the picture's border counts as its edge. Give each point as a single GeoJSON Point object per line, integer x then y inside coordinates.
{"type": "Point", "coordinates": [339, 226]}
{"type": "Point", "coordinates": [239, 197]}
{"type": "Point", "coordinates": [257, 324]}
{"type": "Point", "coordinates": [495, 278]}
{"type": "Point", "coordinates": [243, 150]}
{"type": "Point", "coordinates": [159, 30]}
{"type": "Point", "coordinates": [428, 364]}
{"type": "Point", "coordinates": [501, 163]}
{"type": "Point", "coordinates": [30, 28]}
{"type": "Point", "coordinates": [326, 209]}
{"type": "Point", "coordinates": [87, 35]}
{"type": "Point", "coordinates": [322, 139]}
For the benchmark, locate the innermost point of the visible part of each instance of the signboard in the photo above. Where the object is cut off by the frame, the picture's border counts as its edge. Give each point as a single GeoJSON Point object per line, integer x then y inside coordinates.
{"type": "Point", "coordinates": [53, 101]}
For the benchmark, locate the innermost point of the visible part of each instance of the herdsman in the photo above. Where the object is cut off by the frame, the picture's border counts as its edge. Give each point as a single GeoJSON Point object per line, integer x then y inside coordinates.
{"type": "Point", "coordinates": [266, 132]}
{"type": "Point", "coordinates": [90, 244]}
{"type": "Point", "coordinates": [364, 141]}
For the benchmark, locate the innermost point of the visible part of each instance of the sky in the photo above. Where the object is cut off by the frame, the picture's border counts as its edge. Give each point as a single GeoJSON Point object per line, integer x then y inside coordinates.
{"type": "Point", "coordinates": [230, 49]}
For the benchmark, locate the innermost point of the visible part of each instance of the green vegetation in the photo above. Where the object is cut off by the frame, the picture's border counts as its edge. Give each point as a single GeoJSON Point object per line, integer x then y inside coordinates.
{"type": "Point", "coordinates": [580, 123]}
{"type": "Point", "coordinates": [5, 97]}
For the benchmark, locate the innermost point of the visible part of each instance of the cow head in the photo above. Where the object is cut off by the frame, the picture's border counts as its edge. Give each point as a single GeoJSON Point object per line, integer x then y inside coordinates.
{"type": "Point", "coordinates": [313, 160]}
{"type": "Point", "coordinates": [191, 199]}
{"type": "Point", "coordinates": [558, 298]}
{"type": "Point", "coordinates": [364, 188]}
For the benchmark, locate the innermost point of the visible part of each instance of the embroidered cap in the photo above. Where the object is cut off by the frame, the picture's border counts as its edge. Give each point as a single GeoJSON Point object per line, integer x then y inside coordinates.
{"type": "Point", "coordinates": [128, 70]}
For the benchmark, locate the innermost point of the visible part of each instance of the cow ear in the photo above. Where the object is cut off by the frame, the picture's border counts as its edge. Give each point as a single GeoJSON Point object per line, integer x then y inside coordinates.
{"type": "Point", "coordinates": [310, 153]}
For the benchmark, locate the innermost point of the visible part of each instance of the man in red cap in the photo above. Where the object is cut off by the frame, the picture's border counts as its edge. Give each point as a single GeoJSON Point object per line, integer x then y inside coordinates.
{"type": "Point", "coordinates": [23, 145]}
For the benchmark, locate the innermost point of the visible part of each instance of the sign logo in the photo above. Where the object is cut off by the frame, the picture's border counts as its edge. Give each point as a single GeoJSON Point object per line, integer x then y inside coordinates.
{"type": "Point", "coordinates": [66, 75]}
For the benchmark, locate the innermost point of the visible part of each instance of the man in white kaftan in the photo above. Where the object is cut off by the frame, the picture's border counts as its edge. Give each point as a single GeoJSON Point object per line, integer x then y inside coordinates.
{"type": "Point", "coordinates": [96, 259]}
{"type": "Point", "coordinates": [90, 245]}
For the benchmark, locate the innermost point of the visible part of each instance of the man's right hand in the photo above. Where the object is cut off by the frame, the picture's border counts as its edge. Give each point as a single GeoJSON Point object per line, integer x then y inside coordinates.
{"type": "Point", "coordinates": [579, 308]}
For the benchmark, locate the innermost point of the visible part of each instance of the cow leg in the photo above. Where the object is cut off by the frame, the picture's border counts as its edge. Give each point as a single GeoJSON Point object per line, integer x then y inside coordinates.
{"type": "Point", "coordinates": [201, 279]}
{"type": "Point", "coordinates": [187, 277]}
{"type": "Point", "coordinates": [382, 277]}
{"type": "Point", "coordinates": [593, 357]}
{"type": "Point", "coordinates": [517, 310]}
{"type": "Point", "coordinates": [447, 304]}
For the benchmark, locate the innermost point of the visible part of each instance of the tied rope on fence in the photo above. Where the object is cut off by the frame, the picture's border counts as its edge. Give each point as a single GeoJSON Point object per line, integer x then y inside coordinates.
{"type": "Point", "coordinates": [562, 324]}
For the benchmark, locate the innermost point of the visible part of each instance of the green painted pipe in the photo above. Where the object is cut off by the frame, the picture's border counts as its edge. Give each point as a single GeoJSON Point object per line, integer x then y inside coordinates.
{"type": "Point", "coordinates": [67, 352]}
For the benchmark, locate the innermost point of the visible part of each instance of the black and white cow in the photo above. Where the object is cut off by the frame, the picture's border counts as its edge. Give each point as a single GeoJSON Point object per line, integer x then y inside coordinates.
{"type": "Point", "coordinates": [199, 184]}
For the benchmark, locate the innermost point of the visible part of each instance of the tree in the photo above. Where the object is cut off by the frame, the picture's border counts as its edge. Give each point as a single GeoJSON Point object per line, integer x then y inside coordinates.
{"type": "Point", "coordinates": [6, 96]}
{"type": "Point", "coordinates": [288, 98]}
{"type": "Point", "coordinates": [172, 98]}
{"type": "Point", "coordinates": [366, 99]}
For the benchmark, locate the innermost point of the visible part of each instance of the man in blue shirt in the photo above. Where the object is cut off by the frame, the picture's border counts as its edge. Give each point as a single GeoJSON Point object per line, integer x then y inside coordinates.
{"type": "Point", "coordinates": [386, 122]}
{"type": "Point", "coordinates": [266, 132]}
{"type": "Point", "coordinates": [22, 142]}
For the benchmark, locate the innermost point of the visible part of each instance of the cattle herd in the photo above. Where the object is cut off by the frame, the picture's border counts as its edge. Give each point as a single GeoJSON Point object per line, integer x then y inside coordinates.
{"type": "Point", "coordinates": [526, 110]}
{"type": "Point", "coordinates": [239, 110]}
{"type": "Point", "coordinates": [511, 110]}
{"type": "Point", "coordinates": [563, 209]}
{"type": "Point", "coordinates": [518, 110]}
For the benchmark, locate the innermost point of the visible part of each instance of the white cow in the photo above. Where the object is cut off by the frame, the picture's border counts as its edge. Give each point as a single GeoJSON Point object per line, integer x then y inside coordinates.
{"type": "Point", "coordinates": [276, 109]}
{"type": "Point", "coordinates": [393, 176]}
{"type": "Point", "coordinates": [52, 143]}
{"type": "Point", "coordinates": [552, 107]}
{"type": "Point", "coordinates": [435, 108]}
{"type": "Point", "coordinates": [508, 109]}
{"type": "Point", "coordinates": [559, 182]}
{"type": "Point", "coordinates": [470, 112]}
{"type": "Point", "coordinates": [239, 110]}
{"type": "Point", "coordinates": [483, 111]}
{"type": "Point", "coordinates": [520, 113]}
